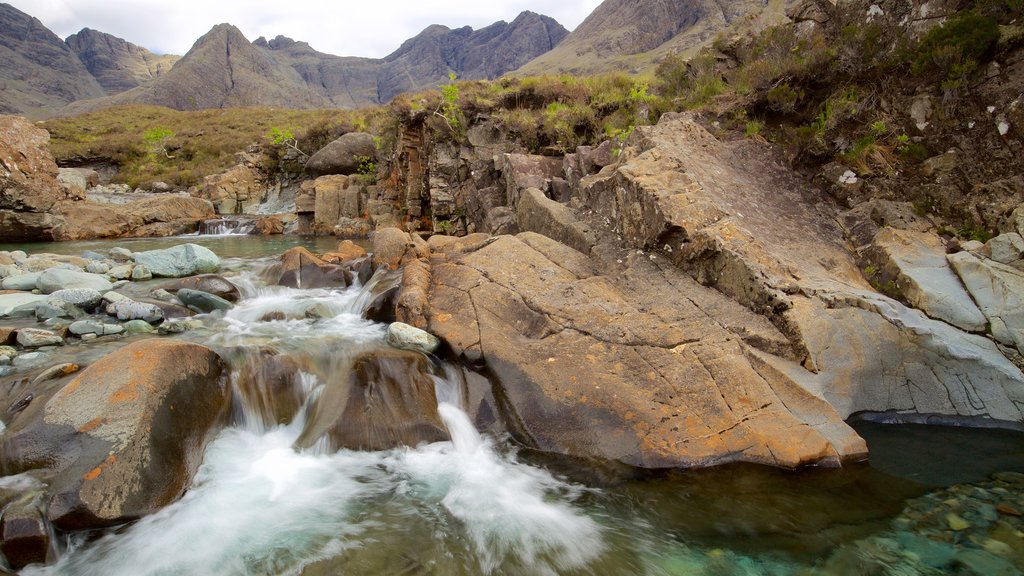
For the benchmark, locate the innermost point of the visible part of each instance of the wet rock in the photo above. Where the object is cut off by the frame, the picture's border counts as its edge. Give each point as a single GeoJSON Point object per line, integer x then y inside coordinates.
{"type": "Point", "coordinates": [179, 261]}
{"type": "Point", "coordinates": [140, 273]}
{"type": "Point", "coordinates": [346, 250]}
{"type": "Point", "coordinates": [55, 372]}
{"type": "Point", "coordinates": [164, 296]}
{"type": "Point", "coordinates": [386, 401]}
{"type": "Point", "coordinates": [24, 535]}
{"type": "Point", "coordinates": [86, 327]}
{"type": "Point", "coordinates": [119, 254]}
{"type": "Point", "coordinates": [178, 326]}
{"type": "Point", "coordinates": [29, 359]}
{"type": "Point", "coordinates": [202, 302]}
{"type": "Point", "coordinates": [56, 279]}
{"type": "Point", "coordinates": [36, 338]}
{"type": "Point", "coordinates": [390, 246]}
{"type": "Point", "coordinates": [406, 337]}
{"type": "Point", "coordinates": [123, 438]}
{"type": "Point", "coordinates": [131, 310]}
{"type": "Point", "coordinates": [300, 268]}
{"type": "Point", "coordinates": [211, 283]}
{"type": "Point", "coordinates": [53, 308]}
{"type": "Point", "coordinates": [342, 156]}
{"type": "Point", "coordinates": [138, 327]}
{"type": "Point", "coordinates": [84, 298]}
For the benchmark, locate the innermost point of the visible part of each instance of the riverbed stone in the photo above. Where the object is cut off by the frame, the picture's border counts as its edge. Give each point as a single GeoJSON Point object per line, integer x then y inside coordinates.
{"type": "Point", "coordinates": [25, 282]}
{"type": "Point", "coordinates": [37, 338]}
{"type": "Point", "coordinates": [29, 359]}
{"type": "Point", "coordinates": [211, 283]}
{"type": "Point", "coordinates": [406, 337]}
{"type": "Point", "coordinates": [178, 326]}
{"type": "Point", "coordinates": [97, 268]}
{"type": "Point", "coordinates": [86, 327]}
{"type": "Point", "coordinates": [123, 438]}
{"type": "Point", "coordinates": [10, 302]}
{"type": "Point", "coordinates": [202, 302]}
{"type": "Point", "coordinates": [138, 327]}
{"type": "Point", "coordinates": [84, 298]}
{"type": "Point", "coordinates": [119, 254]}
{"type": "Point", "coordinates": [52, 308]}
{"type": "Point", "coordinates": [140, 273]}
{"type": "Point", "coordinates": [179, 261]}
{"type": "Point", "coordinates": [131, 310]}
{"type": "Point", "coordinates": [121, 272]}
{"type": "Point", "coordinates": [56, 279]}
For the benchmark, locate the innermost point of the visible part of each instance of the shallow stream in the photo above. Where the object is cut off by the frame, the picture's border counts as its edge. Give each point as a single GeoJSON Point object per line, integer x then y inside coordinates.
{"type": "Point", "coordinates": [481, 504]}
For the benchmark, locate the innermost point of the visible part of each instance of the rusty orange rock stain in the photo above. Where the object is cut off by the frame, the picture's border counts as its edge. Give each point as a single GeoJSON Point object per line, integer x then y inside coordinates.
{"type": "Point", "coordinates": [95, 472]}
{"type": "Point", "coordinates": [91, 425]}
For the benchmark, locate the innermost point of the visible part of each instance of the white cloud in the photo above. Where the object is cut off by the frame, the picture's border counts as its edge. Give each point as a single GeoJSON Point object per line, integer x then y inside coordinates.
{"type": "Point", "coordinates": [361, 28]}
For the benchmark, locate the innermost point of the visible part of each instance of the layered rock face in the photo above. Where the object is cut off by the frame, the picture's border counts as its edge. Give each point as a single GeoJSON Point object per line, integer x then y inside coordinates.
{"type": "Point", "coordinates": [37, 204]}
{"type": "Point", "coordinates": [694, 302]}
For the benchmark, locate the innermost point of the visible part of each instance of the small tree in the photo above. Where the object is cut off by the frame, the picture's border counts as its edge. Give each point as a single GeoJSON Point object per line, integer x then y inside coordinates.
{"type": "Point", "coordinates": [448, 108]}
{"type": "Point", "coordinates": [284, 137]}
{"type": "Point", "coordinates": [156, 140]}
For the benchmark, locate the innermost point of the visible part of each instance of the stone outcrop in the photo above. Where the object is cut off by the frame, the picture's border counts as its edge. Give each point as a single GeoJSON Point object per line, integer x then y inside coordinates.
{"type": "Point", "coordinates": [29, 188]}
{"type": "Point", "coordinates": [170, 215]}
{"type": "Point", "coordinates": [999, 291]}
{"type": "Point", "coordinates": [122, 438]}
{"type": "Point", "coordinates": [238, 190]}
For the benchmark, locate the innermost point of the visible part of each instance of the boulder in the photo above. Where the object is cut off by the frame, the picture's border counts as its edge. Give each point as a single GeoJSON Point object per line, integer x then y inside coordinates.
{"type": "Point", "coordinates": [165, 215]}
{"type": "Point", "coordinates": [37, 338]}
{"type": "Point", "coordinates": [347, 250]}
{"type": "Point", "coordinates": [10, 302]}
{"type": "Point", "coordinates": [1005, 248]}
{"type": "Point", "coordinates": [343, 156]}
{"type": "Point", "coordinates": [336, 198]}
{"type": "Point", "coordinates": [406, 337]}
{"type": "Point", "coordinates": [300, 268]}
{"type": "Point", "coordinates": [390, 246]}
{"type": "Point", "coordinates": [56, 279]}
{"type": "Point", "coordinates": [522, 171]}
{"type": "Point", "coordinates": [123, 438]}
{"type": "Point", "coordinates": [916, 263]}
{"type": "Point", "coordinates": [122, 272]}
{"type": "Point", "coordinates": [387, 400]}
{"type": "Point", "coordinates": [140, 273]}
{"type": "Point", "coordinates": [202, 302]}
{"type": "Point", "coordinates": [23, 282]}
{"type": "Point", "coordinates": [56, 308]}
{"type": "Point", "coordinates": [179, 261]}
{"type": "Point", "coordinates": [211, 283]}
{"type": "Point", "coordinates": [86, 327]}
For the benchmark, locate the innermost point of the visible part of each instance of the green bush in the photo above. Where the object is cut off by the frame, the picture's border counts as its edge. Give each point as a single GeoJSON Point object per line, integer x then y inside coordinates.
{"type": "Point", "coordinates": [953, 50]}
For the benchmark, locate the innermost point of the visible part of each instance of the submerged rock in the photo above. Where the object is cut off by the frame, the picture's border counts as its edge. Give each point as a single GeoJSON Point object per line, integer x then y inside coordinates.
{"type": "Point", "coordinates": [386, 401]}
{"type": "Point", "coordinates": [203, 302]}
{"type": "Point", "coordinates": [131, 310]}
{"type": "Point", "coordinates": [24, 534]}
{"type": "Point", "coordinates": [179, 261]}
{"type": "Point", "coordinates": [300, 268]}
{"type": "Point", "coordinates": [211, 283]}
{"type": "Point", "coordinates": [123, 438]}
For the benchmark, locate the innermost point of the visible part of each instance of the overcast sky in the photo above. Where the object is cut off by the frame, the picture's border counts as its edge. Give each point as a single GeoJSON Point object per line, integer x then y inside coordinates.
{"type": "Point", "coordinates": [372, 28]}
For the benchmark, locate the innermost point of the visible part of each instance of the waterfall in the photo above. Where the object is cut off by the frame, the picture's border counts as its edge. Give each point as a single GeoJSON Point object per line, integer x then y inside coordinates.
{"type": "Point", "coordinates": [228, 226]}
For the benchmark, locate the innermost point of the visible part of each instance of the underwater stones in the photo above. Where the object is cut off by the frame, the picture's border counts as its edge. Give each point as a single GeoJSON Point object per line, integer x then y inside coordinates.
{"type": "Point", "coordinates": [210, 283]}
{"type": "Point", "coordinates": [387, 400]}
{"type": "Point", "coordinates": [37, 338]}
{"type": "Point", "coordinates": [179, 261]}
{"type": "Point", "coordinates": [202, 302]}
{"type": "Point", "coordinates": [406, 337]}
{"type": "Point", "coordinates": [122, 438]}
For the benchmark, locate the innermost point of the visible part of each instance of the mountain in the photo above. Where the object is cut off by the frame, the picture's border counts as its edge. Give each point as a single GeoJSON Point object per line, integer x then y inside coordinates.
{"type": "Point", "coordinates": [224, 69]}
{"type": "Point", "coordinates": [39, 73]}
{"type": "Point", "coordinates": [486, 53]}
{"type": "Point", "coordinates": [631, 35]}
{"type": "Point", "coordinates": [118, 65]}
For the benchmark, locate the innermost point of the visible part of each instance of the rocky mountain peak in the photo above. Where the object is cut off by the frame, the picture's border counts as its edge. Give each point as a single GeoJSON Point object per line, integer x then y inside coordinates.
{"type": "Point", "coordinates": [118, 65]}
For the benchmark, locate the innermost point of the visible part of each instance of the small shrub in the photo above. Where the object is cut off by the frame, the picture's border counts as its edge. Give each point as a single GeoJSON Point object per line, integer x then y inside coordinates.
{"type": "Point", "coordinates": [952, 51]}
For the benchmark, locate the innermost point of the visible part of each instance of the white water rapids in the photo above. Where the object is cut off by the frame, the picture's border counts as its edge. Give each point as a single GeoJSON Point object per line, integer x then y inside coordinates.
{"type": "Point", "coordinates": [259, 506]}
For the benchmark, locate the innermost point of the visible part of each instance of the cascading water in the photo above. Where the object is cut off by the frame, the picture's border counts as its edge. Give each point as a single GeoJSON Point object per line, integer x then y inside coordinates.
{"type": "Point", "coordinates": [261, 505]}
{"type": "Point", "coordinates": [227, 227]}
